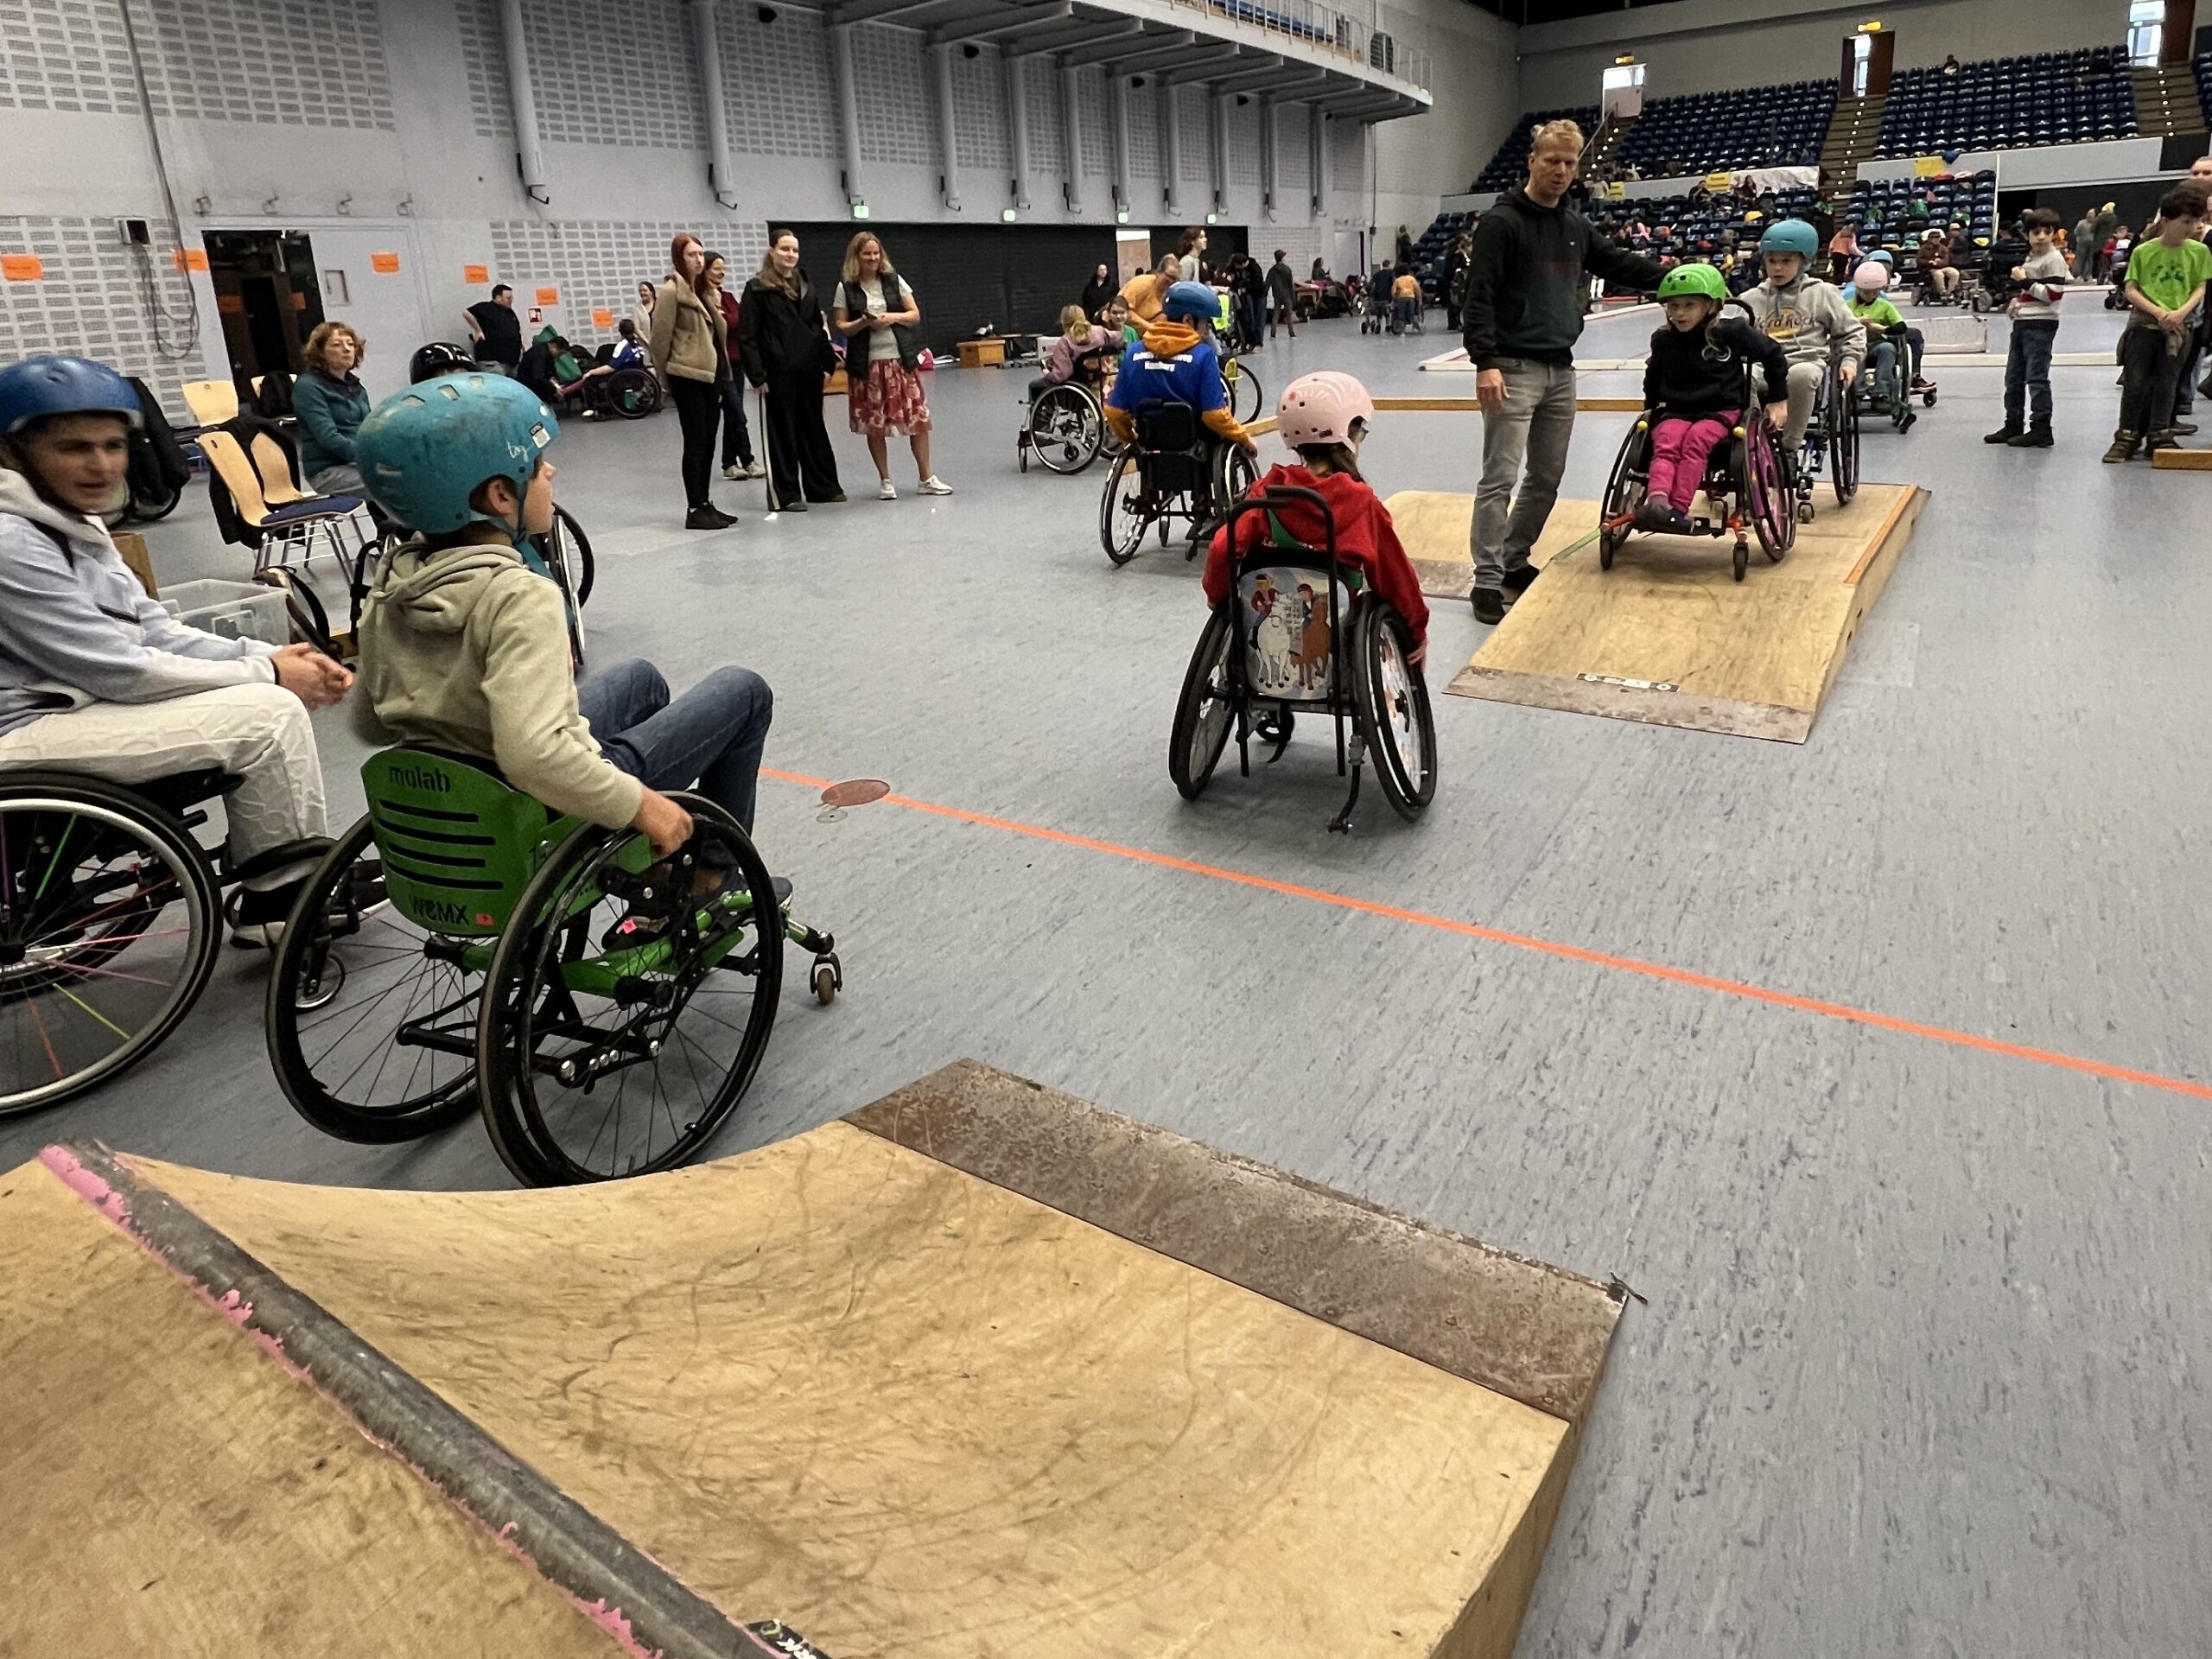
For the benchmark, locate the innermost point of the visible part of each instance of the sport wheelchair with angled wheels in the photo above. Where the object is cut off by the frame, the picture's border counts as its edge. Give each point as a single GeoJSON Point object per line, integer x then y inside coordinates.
{"type": "Point", "coordinates": [1831, 445]}
{"type": "Point", "coordinates": [603, 1009]}
{"type": "Point", "coordinates": [1065, 429]}
{"type": "Point", "coordinates": [1301, 633]}
{"type": "Point", "coordinates": [1743, 488]}
{"type": "Point", "coordinates": [1175, 470]}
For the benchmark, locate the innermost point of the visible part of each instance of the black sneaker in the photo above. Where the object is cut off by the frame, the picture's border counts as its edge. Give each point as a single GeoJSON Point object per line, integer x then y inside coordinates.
{"type": "Point", "coordinates": [1489, 606]}
{"type": "Point", "coordinates": [2185, 429]}
{"type": "Point", "coordinates": [1905, 419]}
{"type": "Point", "coordinates": [708, 519]}
{"type": "Point", "coordinates": [2002, 434]}
{"type": "Point", "coordinates": [1516, 582]}
{"type": "Point", "coordinates": [2036, 438]}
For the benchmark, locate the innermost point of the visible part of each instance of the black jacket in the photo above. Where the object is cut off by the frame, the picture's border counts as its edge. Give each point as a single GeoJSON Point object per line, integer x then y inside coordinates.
{"type": "Point", "coordinates": [780, 338]}
{"type": "Point", "coordinates": [1683, 377]}
{"type": "Point", "coordinates": [852, 300]}
{"type": "Point", "coordinates": [1525, 280]}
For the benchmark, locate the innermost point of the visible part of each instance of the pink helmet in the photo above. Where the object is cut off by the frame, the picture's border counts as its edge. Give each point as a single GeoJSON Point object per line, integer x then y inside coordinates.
{"type": "Point", "coordinates": [1872, 278]}
{"type": "Point", "coordinates": [1320, 408]}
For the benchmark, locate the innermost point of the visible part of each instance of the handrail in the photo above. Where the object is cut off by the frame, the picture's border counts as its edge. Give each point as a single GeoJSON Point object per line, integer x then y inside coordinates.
{"type": "Point", "coordinates": [1316, 26]}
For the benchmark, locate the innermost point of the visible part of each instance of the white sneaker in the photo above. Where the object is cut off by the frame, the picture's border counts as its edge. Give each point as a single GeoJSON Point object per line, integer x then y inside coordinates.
{"type": "Point", "coordinates": [935, 485]}
{"type": "Point", "coordinates": [756, 470]}
{"type": "Point", "coordinates": [733, 472]}
{"type": "Point", "coordinates": [886, 490]}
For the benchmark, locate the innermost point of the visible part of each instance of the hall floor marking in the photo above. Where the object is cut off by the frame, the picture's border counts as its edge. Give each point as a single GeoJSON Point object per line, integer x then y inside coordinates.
{"type": "Point", "coordinates": [1660, 971]}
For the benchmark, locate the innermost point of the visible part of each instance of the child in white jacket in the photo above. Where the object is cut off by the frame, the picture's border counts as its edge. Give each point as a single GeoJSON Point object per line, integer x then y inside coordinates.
{"type": "Point", "coordinates": [1808, 319]}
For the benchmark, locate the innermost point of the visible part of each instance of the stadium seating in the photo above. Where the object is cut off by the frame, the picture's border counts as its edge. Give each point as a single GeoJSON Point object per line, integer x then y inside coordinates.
{"type": "Point", "coordinates": [1881, 209]}
{"type": "Point", "coordinates": [1750, 126]}
{"type": "Point", "coordinates": [2050, 97]}
{"type": "Point", "coordinates": [1509, 166]}
{"type": "Point", "coordinates": [1683, 228]}
{"type": "Point", "coordinates": [2202, 64]}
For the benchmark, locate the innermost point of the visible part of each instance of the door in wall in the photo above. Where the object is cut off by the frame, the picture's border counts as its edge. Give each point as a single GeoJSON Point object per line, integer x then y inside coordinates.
{"type": "Point", "coordinates": [268, 298]}
{"type": "Point", "coordinates": [369, 281]}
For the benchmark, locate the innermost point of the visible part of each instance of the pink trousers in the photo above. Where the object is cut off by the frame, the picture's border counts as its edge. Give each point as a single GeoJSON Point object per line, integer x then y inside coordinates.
{"type": "Point", "coordinates": [1679, 449]}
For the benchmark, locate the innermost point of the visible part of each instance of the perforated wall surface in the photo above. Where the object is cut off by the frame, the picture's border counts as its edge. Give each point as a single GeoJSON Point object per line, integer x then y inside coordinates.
{"type": "Point", "coordinates": [65, 54]}
{"type": "Point", "coordinates": [599, 262]}
{"type": "Point", "coordinates": [609, 74]}
{"type": "Point", "coordinates": [1293, 159]}
{"type": "Point", "coordinates": [1244, 142]}
{"type": "Point", "coordinates": [1097, 129]}
{"type": "Point", "coordinates": [1347, 155]}
{"type": "Point", "coordinates": [484, 62]}
{"type": "Point", "coordinates": [1048, 140]}
{"type": "Point", "coordinates": [93, 301]}
{"type": "Point", "coordinates": [777, 95]}
{"type": "Point", "coordinates": [294, 63]}
{"type": "Point", "coordinates": [1198, 144]}
{"type": "Point", "coordinates": [1144, 134]}
{"type": "Point", "coordinates": [979, 101]}
{"type": "Point", "coordinates": [897, 124]}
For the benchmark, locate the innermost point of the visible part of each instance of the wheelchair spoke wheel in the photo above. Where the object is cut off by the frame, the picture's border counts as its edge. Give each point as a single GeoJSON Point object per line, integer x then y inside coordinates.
{"type": "Point", "coordinates": [1065, 429]}
{"type": "Point", "coordinates": [1124, 511]}
{"type": "Point", "coordinates": [107, 936]}
{"type": "Point", "coordinates": [632, 393]}
{"type": "Point", "coordinates": [1205, 713]}
{"type": "Point", "coordinates": [1624, 494]}
{"type": "Point", "coordinates": [1843, 446]}
{"type": "Point", "coordinates": [567, 552]}
{"type": "Point", "coordinates": [1233, 481]}
{"type": "Point", "coordinates": [1245, 392]}
{"type": "Point", "coordinates": [371, 1020]}
{"type": "Point", "coordinates": [622, 1024]}
{"type": "Point", "coordinates": [1393, 702]}
{"type": "Point", "coordinates": [1766, 501]}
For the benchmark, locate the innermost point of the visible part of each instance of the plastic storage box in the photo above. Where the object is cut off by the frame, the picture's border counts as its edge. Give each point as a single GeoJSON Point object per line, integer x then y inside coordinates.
{"type": "Point", "coordinates": [234, 610]}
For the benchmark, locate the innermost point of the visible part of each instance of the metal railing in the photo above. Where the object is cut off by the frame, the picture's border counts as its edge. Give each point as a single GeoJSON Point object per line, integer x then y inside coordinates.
{"type": "Point", "coordinates": [1325, 28]}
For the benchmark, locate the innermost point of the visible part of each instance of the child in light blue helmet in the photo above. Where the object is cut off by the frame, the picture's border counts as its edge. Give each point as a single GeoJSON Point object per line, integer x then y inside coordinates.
{"type": "Point", "coordinates": [1178, 363]}
{"type": "Point", "coordinates": [1806, 318]}
{"type": "Point", "coordinates": [465, 647]}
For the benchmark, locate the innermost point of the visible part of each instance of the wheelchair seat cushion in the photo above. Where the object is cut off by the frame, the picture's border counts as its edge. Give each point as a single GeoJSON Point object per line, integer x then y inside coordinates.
{"type": "Point", "coordinates": [1283, 624]}
{"type": "Point", "coordinates": [179, 791]}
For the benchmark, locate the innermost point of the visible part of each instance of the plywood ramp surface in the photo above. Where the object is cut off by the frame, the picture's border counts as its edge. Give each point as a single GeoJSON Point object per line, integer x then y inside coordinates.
{"type": "Point", "coordinates": [1670, 637]}
{"type": "Point", "coordinates": [1433, 526]}
{"type": "Point", "coordinates": [170, 1490]}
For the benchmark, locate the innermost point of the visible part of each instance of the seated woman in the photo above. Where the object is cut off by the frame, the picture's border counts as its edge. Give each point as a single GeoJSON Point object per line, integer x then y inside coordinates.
{"type": "Point", "coordinates": [1078, 351]}
{"type": "Point", "coordinates": [98, 678]}
{"type": "Point", "coordinates": [330, 403]}
{"type": "Point", "coordinates": [1324, 419]}
{"type": "Point", "coordinates": [464, 648]}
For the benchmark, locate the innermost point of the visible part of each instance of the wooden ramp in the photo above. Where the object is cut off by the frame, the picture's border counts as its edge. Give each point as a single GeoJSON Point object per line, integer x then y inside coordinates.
{"type": "Point", "coordinates": [1433, 526]}
{"type": "Point", "coordinates": [1670, 637]}
{"type": "Point", "coordinates": [979, 1372]}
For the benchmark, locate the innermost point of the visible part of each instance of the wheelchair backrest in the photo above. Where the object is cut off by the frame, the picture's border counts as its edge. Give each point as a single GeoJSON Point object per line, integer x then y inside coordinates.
{"type": "Point", "coordinates": [459, 844]}
{"type": "Point", "coordinates": [1167, 445]}
{"type": "Point", "coordinates": [1285, 627]}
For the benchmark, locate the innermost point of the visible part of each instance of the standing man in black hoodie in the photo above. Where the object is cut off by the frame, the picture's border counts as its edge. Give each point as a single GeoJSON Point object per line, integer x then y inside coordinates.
{"type": "Point", "coordinates": [1526, 277]}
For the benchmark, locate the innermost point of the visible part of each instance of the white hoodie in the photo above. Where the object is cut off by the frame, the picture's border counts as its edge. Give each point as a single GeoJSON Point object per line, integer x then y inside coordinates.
{"type": "Point", "coordinates": [1808, 320]}
{"type": "Point", "coordinates": [76, 628]}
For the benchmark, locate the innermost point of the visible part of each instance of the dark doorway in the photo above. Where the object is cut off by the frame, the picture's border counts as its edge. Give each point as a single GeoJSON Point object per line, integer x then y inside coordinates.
{"type": "Point", "coordinates": [267, 296]}
{"type": "Point", "coordinates": [1223, 243]}
{"type": "Point", "coordinates": [1869, 60]}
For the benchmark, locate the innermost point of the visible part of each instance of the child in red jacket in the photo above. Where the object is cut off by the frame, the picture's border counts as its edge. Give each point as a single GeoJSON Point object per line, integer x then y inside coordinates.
{"type": "Point", "coordinates": [1324, 419]}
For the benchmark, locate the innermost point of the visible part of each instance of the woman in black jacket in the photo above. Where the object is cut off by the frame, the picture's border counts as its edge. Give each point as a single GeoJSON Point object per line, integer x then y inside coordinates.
{"type": "Point", "coordinates": [786, 350]}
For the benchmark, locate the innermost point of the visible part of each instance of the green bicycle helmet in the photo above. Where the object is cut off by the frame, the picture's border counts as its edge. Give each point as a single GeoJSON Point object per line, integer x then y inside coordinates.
{"type": "Point", "coordinates": [1684, 282]}
{"type": "Point", "coordinates": [424, 452]}
{"type": "Point", "coordinates": [1790, 236]}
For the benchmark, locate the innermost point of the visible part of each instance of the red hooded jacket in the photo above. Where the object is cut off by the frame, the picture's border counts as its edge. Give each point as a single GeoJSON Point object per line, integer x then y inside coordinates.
{"type": "Point", "coordinates": [1365, 537]}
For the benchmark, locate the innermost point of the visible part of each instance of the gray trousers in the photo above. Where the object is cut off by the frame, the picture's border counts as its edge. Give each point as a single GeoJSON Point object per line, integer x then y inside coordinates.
{"type": "Point", "coordinates": [1536, 425]}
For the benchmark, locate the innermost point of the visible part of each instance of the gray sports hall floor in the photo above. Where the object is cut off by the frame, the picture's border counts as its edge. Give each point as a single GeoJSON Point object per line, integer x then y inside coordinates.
{"type": "Point", "coordinates": [1922, 1367]}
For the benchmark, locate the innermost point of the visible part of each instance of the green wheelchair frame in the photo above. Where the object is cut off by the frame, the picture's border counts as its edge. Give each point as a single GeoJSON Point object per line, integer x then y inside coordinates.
{"type": "Point", "coordinates": [545, 969]}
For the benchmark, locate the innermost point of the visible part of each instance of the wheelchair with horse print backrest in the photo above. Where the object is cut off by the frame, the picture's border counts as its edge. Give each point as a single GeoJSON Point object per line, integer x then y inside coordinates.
{"type": "Point", "coordinates": [603, 1009]}
{"type": "Point", "coordinates": [1300, 630]}
{"type": "Point", "coordinates": [1175, 469]}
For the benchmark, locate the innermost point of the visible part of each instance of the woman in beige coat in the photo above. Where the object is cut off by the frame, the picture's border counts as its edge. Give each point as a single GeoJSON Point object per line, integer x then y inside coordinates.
{"type": "Point", "coordinates": [691, 347]}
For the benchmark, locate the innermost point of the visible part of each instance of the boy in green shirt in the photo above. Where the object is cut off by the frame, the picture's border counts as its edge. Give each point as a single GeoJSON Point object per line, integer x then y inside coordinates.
{"type": "Point", "coordinates": [2165, 285]}
{"type": "Point", "coordinates": [1885, 329]}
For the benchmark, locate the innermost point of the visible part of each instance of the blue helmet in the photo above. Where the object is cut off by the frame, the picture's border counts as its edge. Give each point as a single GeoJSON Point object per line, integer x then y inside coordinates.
{"type": "Point", "coordinates": [1790, 236]}
{"type": "Point", "coordinates": [424, 452]}
{"type": "Point", "coordinates": [1191, 302]}
{"type": "Point", "coordinates": [40, 386]}
{"type": "Point", "coordinates": [1883, 256]}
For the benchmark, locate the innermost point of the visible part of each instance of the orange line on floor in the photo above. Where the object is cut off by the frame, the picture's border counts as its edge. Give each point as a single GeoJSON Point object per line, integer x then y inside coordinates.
{"type": "Point", "coordinates": [1545, 947]}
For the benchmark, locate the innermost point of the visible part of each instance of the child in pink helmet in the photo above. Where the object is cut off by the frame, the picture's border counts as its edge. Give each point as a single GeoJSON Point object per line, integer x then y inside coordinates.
{"type": "Point", "coordinates": [1323, 418]}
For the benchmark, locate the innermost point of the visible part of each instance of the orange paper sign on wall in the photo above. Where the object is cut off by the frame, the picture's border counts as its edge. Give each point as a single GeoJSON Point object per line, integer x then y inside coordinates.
{"type": "Point", "coordinates": [21, 267]}
{"type": "Point", "coordinates": [476, 273]}
{"type": "Point", "coordinates": [549, 296]}
{"type": "Point", "coordinates": [602, 319]}
{"type": "Point", "coordinates": [385, 264]}
{"type": "Point", "coordinates": [189, 258]}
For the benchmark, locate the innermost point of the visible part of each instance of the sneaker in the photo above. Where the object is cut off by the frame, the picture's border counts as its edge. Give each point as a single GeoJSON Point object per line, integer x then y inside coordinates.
{"type": "Point", "coordinates": [1905, 420]}
{"type": "Point", "coordinates": [1489, 606]}
{"type": "Point", "coordinates": [1920, 383]}
{"type": "Point", "coordinates": [935, 485]}
{"type": "Point", "coordinates": [833, 501]}
{"type": "Point", "coordinates": [1651, 515]}
{"type": "Point", "coordinates": [2002, 434]}
{"type": "Point", "coordinates": [1516, 582]}
{"type": "Point", "coordinates": [2123, 447]}
{"type": "Point", "coordinates": [733, 472]}
{"type": "Point", "coordinates": [2183, 428]}
{"type": "Point", "coordinates": [708, 519]}
{"type": "Point", "coordinates": [886, 490]}
{"type": "Point", "coordinates": [754, 469]}
{"type": "Point", "coordinates": [794, 506]}
{"type": "Point", "coordinates": [2160, 440]}
{"type": "Point", "coordinates": [2036, 438]}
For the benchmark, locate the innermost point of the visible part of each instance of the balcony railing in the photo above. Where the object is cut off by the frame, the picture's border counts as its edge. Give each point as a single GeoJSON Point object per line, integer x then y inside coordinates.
{"type": "Point", "coordinates": [1325, 28]}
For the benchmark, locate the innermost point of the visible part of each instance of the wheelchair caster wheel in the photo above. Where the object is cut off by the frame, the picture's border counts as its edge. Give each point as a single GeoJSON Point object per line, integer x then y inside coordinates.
{"type": "Point", "coordinates": [1743, 557]}
{"type": "Point", "coordinates": [829, 979]}
{"type": "Point", "coordinates": [1804, 513]}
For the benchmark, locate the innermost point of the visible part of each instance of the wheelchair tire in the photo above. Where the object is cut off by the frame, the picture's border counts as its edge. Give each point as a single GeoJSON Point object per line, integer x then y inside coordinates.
{"type": "Point", "coordinates": [1122, 519]}
{"type": "Point", "coordinates": [1064, 428]}
{"type": "Point", "coordinates": [597, 937]}
{"type": "Point", "coordinates": [1739, 558]}
{"type": "Point", "coordinates": [631, 394]}
{"type": "Point", "coordinates": [347, 981]}
{"type": "Point", "coordinates": [1204, 714]}
{"type": "Point", "coordinates": [1245, 393]}
{"type": "Point", "coordinates": [131, 865]}
{"type": "Point", "coordinates": [567, 540]}
{"type": "Point", "coordinates": [1392, 699]}
{"type": "Point", "coordinates": [1766, 499]}
{"type": "Point", "coordinates": [1843, 446]}
{"type": "Point", "coordinates": [1624, 494]}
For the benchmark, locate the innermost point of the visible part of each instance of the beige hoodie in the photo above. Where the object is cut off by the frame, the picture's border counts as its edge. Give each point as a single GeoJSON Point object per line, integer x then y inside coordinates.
{"type": "Point", "coordinates": [467, 648]}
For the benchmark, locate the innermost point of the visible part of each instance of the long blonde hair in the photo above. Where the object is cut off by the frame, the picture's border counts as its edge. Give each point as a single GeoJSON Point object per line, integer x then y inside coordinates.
{"type": "Point", "coordinates": [1075, 322]}
{"type": "Point", "coordinates": [851, 273]}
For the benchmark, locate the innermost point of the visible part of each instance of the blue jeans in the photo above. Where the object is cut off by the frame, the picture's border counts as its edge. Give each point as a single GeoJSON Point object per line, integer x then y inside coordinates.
{"type": "Point", "coordinates": [1882, 361]}
{"type": "Point", "coordinates": [2027, 370]}
{"type": "Point", "coordinates": [712, 735]}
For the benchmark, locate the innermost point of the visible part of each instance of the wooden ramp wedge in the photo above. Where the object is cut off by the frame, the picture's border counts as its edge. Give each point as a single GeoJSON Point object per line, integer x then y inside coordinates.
{"type": "Point", "coordinates": [1669, 638]}
{"type": "Point", "coordinates": [1434, 527]}
{"type": "Point", "coordinates": [979, 1372]}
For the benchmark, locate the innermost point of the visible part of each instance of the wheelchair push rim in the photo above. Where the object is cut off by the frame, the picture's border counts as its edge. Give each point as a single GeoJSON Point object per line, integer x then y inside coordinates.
{"type": "Point", "coordinates": [1393, 702]}
{"type": "Point", "coordinates": [1623, 493]}
{"type": "Point", "coordinates": [622, 1026]}
{"type": "Point", "coordinates": [370, 1020]}
{"type": "Point", "coordinates": [1065, 429]}
{"type": "Point", "coordinates": [1123, 513]}
{"type": "Point", "coordinates": [1206, 710]}
{"type": "Point", "coordinates": [1843, 444]}
{"type": "Point", "coordinates": [107, 936]}
{"type": "Point", "coordinates": [1766, 500]}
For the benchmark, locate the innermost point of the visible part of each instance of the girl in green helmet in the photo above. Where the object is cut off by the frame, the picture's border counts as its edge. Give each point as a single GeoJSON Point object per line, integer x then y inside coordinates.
{"type": "Point", "coordinates": [1695, 378]}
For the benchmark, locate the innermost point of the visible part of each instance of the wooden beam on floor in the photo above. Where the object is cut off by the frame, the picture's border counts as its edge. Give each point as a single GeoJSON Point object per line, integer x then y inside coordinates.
{"type": "Point", "coordinates": [2183, 460]}
{"type": "Point", "coordinates": [1470, 406]}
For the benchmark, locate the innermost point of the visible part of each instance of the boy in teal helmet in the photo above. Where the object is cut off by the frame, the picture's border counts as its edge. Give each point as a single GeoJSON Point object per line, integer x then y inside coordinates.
{"type": "Point", "coordinates": [465, 647]}
{"type": "Point", "coordinates": [1806, 318]}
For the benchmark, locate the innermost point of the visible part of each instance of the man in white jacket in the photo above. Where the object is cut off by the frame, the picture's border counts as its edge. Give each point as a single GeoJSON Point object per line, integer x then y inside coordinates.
{"type": "Point", "coordinates": [96, 678]}
{"type": "Point", "coordinates": [1808, 319]}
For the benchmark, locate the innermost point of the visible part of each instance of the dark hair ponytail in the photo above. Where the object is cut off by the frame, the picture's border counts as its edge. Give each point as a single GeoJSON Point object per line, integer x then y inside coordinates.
{"type": "Point", "coordinates": [1337, 457]}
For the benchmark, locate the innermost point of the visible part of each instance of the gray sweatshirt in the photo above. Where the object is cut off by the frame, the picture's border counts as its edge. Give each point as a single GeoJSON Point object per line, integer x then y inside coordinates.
{"type": "Point", "coordinates": [1808, 320]}
{"type": "Point", "coordinates": [2039, 301]}
{"type": "Point", "coordinates": [76, 628]}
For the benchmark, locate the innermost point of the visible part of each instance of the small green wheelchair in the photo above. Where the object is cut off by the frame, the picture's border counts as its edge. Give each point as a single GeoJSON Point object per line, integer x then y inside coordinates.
{"type": "Point", "coordinates": [462, 949]}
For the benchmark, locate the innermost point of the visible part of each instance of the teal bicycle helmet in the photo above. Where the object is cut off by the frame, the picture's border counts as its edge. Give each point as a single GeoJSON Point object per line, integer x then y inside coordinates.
{"type": "Point", "coordinates": [1790, 236]}
{"type": "Point", "coordinates": [424, 452]}
{"type": "Point", "coordinates": [1191, 302]}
